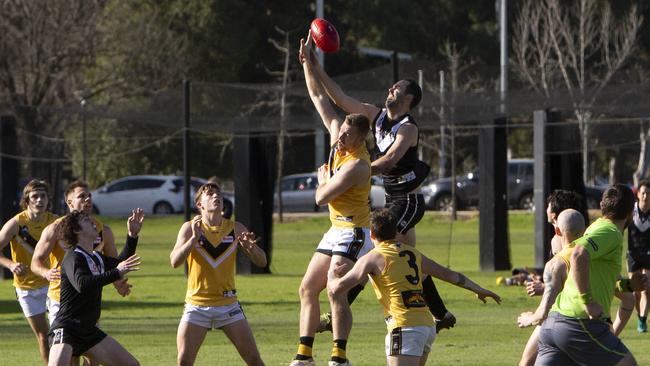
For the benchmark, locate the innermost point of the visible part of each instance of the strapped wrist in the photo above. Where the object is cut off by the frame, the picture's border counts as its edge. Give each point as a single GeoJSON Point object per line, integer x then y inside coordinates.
{"type": "Point", "coordinates": [586, 298]}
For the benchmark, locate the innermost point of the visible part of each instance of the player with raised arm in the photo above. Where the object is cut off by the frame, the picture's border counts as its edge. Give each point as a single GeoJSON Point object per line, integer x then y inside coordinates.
{"type": "Point", "coordinates": [84, 273]}
{"type": "Point", "coordinates": [22, 233]}
{"type": "Point", "coordinates": [396, 140]}
{"type": "Point", "coordinates": [396, 271]}
{"type": "Point", "coordinates": [344, 184]}
{"type": "Point", "coordinates": [208, 244]}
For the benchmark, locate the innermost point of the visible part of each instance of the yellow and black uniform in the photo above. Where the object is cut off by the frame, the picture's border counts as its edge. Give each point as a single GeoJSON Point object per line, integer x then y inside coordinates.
{"type": "Point", "coordinates": [58, 252]}
{"type": "Point", "coordinates": [399, 286]}
{"type": "Point", "coordinates": [23, 244]}
{"type": "Point", "coordinates": [211, 267]}
{"type": "Point", "coordinates": [351, 208]}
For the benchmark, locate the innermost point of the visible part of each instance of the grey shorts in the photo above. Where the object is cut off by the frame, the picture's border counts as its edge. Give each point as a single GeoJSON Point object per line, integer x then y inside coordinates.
{"type": "Point", "coordinates": [570, 341]}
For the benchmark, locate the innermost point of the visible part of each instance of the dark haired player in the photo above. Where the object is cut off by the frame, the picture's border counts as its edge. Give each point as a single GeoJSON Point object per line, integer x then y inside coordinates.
{"type": "Point", "coordinates": [84, 273]}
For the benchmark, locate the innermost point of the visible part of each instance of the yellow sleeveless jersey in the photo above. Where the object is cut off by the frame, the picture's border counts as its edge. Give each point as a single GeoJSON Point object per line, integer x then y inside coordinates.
{"type": "Point", "coordinates": [211, 267]}
{"type": "Point", "coordinates": [351, 208]}
{"type": "Point", "coordinates": [23, 244]}
{"type": "Point", "coordinates": [58, 252]}
{"type": "Point", "coordinates": [399, 286]}
{"type": "Point", "coordinates": [565, 256]}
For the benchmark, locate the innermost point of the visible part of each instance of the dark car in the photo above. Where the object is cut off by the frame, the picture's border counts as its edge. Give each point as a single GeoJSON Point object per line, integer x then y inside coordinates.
{"type": "Point", "coordinates": [437, 194]}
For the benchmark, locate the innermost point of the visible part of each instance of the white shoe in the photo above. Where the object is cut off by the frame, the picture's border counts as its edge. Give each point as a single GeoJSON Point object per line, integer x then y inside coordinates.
{"type": "Point", "coordinates": [309, 362]}
{"type": "Point", "coordinates": [334, 363]}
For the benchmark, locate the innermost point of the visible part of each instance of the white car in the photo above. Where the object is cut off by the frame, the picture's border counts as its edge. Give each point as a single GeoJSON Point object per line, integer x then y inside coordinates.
{"type": "Point", "coordinates": [155, 194]}
{"type": "Point", "coordinates": [299, 192]}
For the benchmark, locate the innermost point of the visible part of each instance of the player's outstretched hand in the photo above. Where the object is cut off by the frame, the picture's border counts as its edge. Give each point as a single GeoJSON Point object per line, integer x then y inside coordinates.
{"type": "Point", "coordinates": [535, 288]}
{"type": "Point", "coordinates": [341, 268]}
{"type": "Point", "coordinates": [197, 231]}
{"type": "Point", "coordinates": [526, 319]}
{"type": "Point", "coordinates": [129, 265]}
{"type": "Point", "coordinates": [123, 287]}
{"type": "Point", "coordinates": [134, 222]}
{"type": "Point", "coordinates": [247, 240]}
{"type": "Point", "coordinates": [482, 293]}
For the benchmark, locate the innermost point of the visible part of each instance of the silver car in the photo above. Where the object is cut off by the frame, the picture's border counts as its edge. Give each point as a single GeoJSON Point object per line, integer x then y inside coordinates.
{"type": "Point", "coordinates": [299, 193]}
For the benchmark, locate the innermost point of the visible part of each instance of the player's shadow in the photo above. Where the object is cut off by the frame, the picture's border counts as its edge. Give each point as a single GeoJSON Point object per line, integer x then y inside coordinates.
{"type": "Point", "coordinates": [9, 307]}
{"type": "Point", "coordinates": [140, 304]}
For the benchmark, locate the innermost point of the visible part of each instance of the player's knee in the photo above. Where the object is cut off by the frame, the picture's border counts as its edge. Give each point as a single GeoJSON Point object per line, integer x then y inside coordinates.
{"type": "Point", "coordinates": [307, 291]}
{"type": "Point", "coordinates": [184, 358]}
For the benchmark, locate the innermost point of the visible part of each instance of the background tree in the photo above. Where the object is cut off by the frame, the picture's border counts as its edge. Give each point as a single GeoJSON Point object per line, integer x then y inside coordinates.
{"type": "Point", "coordinates": [577, 47]}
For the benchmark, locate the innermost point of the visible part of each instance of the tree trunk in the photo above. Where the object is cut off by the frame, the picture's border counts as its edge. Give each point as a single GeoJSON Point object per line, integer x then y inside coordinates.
{"type": "Point", "coordinates": [644, 154]}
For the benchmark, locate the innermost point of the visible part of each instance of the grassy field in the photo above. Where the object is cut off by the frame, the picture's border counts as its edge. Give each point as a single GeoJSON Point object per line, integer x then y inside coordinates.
{"type": "Point", "coordinates": [146, 321]}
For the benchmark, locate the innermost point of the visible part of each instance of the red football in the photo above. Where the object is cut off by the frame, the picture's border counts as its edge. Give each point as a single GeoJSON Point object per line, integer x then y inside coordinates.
{"type": "Point", "coordinates": [325, 35]}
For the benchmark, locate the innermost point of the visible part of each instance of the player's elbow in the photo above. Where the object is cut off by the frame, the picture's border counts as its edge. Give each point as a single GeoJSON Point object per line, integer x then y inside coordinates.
{"type": "Point", "coordinates": [174, 261]}
{"type": "Point", "coordinates": [321, 199]}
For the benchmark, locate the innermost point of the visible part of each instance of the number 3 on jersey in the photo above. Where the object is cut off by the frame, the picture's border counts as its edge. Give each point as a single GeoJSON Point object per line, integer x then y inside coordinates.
{"type": "Point", "coordinates": [414, 280]}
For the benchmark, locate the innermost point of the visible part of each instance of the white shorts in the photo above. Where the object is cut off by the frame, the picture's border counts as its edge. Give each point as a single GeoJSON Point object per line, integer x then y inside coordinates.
{"type": "Point", "coordinates": [32, 301]}
{"type": "Point", "coordinates": [213, 316]}
{"type": "Point", "coordinates": [52, 309]}
{"type": "Point", "coordinates": [351, 243]}
{"type": "Point", "coordinates": [410, 341]}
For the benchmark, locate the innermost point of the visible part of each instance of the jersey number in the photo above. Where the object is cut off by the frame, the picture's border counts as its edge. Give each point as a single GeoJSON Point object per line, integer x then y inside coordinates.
{"type": "Point", "coordinates": [414, 280]}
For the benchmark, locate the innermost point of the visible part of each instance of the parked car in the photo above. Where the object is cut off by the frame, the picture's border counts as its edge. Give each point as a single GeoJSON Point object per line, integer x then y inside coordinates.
{"type": "Point", "coordinates": [155, 194]}
{"type": "Point", "coordinates": [299, 192]}
{"type": "Point", "coordinates": [437, 194]}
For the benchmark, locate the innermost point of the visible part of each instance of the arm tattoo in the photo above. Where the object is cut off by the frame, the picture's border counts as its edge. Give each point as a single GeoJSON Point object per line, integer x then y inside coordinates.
{"type": "Point", "coordinates": [461, 280]}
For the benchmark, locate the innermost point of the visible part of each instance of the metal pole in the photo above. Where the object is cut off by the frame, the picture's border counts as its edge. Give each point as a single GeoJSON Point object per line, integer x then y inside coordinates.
{"type": "Point", "coordinates": [84, 146]}
{"type": "Point", "coordinates": [186, 149]}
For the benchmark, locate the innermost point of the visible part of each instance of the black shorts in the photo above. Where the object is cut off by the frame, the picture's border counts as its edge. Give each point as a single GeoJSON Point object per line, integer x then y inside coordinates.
{"type": "Point", "coordinates": [81, 340]}
{"type": "Point", "coordinates": [636, 262]}
{"type": "Point", "coordinates": [408, 209]}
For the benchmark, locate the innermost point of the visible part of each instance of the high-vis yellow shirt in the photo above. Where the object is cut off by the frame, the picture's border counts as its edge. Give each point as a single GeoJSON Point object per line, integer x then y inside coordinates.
{"type": "Point", "coordinates": [351, 208]}
{"type": "Point", "coordinates": [211, 266]}
{"type": "Point", "coordinates": [399, 286]}
{"type": "Point", "coordinates": [58, 252]}
{"type": "Point", "coordinates": [23, 244]}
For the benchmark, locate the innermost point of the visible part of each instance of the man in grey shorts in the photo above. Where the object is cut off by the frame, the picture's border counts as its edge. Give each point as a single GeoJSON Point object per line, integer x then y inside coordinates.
{"type": "Point", "coordinates": [577, 331]}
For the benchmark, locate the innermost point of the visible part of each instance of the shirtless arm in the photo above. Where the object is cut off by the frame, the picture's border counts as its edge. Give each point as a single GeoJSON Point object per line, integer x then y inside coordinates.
{"type": "Point", "coordinates": [345, 102]}
{"type": "Point", "coordinates": [8, 231]}
{"type": "Point", "coordinates": [188, 235]}
{"type": "Point", "coordinates": [318, 96]}
{"type": "Point", "coordinates": [558, 271]}
{"type": "Point", "coordinates": [371, 263]}
{"type": "Point", "coordinates": [406, 137]}
{"type": "Point", "coordinates": [432, 268]}
{"type": "Point", "coordinates": [40, 258]}
{"type": "Point", "coordinates": [248, 242]}
{"type": "Point", "coordinates": [350, 174]}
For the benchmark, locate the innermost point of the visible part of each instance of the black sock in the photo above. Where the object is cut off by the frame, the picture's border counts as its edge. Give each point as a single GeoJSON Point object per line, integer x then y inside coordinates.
{"type": "Point", "coordinates": [432, 298]}
{"type": "Point", "coordinates": [643, 318]}
{"type": "Point", "coordinates": [353, 293]}
{"type": "Point", "coordinates": [305, 348]}
{"type": "Point", "coordinates": [338, 350]}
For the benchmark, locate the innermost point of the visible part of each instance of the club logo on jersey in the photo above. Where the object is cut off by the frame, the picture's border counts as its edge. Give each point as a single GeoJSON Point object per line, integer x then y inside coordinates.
{"type": "Point", "coordinates": [413, 299]}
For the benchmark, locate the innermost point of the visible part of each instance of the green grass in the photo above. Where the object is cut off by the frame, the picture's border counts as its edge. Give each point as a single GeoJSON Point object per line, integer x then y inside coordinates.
{"type": "Point", "coordinates": [145, 322]}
